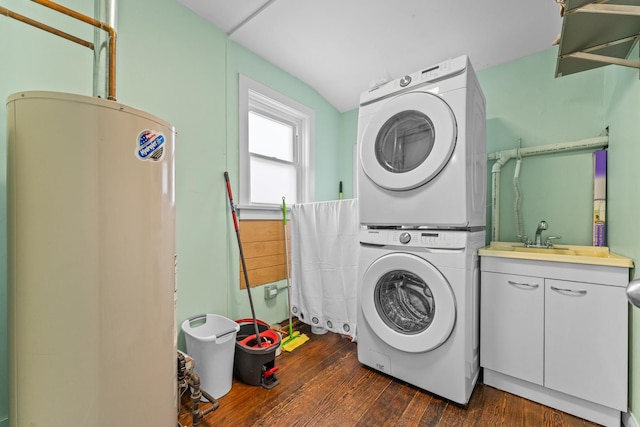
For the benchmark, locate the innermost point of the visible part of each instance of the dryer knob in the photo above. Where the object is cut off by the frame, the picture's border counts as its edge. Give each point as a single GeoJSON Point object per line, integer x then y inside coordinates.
{"type": "Point", "coordinates": [405, 238]}
{"type": "Point", "coordinates": [405, 81]}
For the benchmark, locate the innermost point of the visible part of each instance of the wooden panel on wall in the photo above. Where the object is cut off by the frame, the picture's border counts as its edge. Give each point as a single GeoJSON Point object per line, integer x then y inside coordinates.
{"type": "Point", "coordinates": [264, 251]}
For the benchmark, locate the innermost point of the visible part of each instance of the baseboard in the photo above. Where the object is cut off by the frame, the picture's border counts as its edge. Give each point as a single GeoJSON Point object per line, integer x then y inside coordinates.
{"type": "Point", "coordinates": [575, 406]}
{"type": "Point", "coordinates": [628, 420]}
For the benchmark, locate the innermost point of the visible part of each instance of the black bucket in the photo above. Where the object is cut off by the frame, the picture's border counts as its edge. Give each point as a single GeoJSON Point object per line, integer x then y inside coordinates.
{"type": "Point", "coordinates": [256, 365]}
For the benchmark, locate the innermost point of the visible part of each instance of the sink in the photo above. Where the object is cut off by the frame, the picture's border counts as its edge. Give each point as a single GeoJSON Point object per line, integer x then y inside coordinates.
{"type": "Point", "coordinates": [561, 251]}
{"type": "Point", "coordinates": [596, 255]}
{"type": "Point", "coordinates": [591, 251]}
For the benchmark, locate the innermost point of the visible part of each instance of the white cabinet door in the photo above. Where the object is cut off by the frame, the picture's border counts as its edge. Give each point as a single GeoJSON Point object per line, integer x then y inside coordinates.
{"type": "Point", "coordinates": [586, 341]}
{"type": "Point", "coordinates": [512, 325]}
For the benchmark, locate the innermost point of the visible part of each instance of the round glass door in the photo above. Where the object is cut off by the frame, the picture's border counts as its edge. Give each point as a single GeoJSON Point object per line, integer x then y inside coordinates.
{"type": "Point", "coordinates": [408, 141]}
{"type": "Point", "coordinates": [405, 141]}
{"type": "Point", "coordinates": [407, 302]}
{"type": "Point", "coordinates": [404, 302]}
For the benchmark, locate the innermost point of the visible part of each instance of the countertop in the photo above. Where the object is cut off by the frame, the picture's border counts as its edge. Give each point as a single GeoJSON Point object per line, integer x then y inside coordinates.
{"type": "Point", "coordinates": [594, 255]}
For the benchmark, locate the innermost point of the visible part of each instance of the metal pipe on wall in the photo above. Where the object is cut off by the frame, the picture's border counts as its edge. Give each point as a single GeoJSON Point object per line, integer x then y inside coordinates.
{"type": "Point", "coordinates": [103, 26]}
{"type": "Point", "coordinates": [11, 14]}
{"type": "Point", "coordinates": [503, 157]}
{"type": "Point", "coordinates": [109, 11]}
{"type": "Point", "coordinates": [105, 11]}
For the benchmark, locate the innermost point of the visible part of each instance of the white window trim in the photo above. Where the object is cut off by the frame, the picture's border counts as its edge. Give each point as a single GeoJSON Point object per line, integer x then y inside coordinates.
{"type": "Point", "coordinates": [262, 95]}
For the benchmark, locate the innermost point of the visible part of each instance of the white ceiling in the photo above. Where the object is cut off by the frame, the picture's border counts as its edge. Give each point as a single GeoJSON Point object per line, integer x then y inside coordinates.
{"type": "Point", "coordinates": [342, 47]}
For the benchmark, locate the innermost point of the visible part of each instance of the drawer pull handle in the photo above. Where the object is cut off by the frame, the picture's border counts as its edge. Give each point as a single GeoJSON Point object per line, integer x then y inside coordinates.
{"type": "Point", "coordinates": [528, 285]}
{"type": "Point", "coordinates": [573, 291]}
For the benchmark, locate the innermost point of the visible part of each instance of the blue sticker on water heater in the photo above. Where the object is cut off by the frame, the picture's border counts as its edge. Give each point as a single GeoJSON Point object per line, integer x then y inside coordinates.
{"type": "Point", "coordinates": [150, 145]}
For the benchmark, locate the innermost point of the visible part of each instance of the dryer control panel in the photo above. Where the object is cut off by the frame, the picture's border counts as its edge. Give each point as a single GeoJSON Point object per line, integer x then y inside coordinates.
{"type": "Point", "coordinates": [422, 77]}
{"type": "Point", "coordinates": [434, 239]}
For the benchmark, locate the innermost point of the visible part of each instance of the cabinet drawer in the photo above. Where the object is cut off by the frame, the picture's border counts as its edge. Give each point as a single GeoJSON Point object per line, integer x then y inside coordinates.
{"type": "Point", "coordinates": [512, 325]}
{"type": "Point", "coordinates": [586, 341]}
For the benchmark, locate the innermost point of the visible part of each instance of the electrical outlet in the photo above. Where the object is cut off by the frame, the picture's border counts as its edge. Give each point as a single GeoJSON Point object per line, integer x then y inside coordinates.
{"type": "Point", "coordinates": [270, 291]}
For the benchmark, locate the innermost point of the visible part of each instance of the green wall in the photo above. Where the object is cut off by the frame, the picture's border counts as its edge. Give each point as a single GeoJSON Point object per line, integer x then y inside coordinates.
{"type": "Point", "coordinates": [622, 98]}
{"type": "Point", "coordinates": [326, 163]}
{"type": "Point", "coordinates": [185, 71]}
{"type": "Point", "coordinates": [173, 64]}
{"type": "Point", "coordinates": [525, 102]}
{"type": "Point", "coordinates": [177, 71]}
{"type": "Point", "coordinates": [348, 138]}
{"type": "Point", "coordinates": [527, 106]}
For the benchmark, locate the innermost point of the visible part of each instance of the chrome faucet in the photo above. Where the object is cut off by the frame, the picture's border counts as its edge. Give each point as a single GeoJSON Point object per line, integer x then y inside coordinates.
{"type": "Point", "coordinates": [538, 239]}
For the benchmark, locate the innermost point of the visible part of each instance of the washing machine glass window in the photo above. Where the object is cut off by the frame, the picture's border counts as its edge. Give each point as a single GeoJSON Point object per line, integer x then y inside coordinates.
{"type": "Point", "coordinates": [408, 141]}
{"type": "Point", "coordinates": [405, 302]}
{"type": "Point", "coordinates": [405, 141]}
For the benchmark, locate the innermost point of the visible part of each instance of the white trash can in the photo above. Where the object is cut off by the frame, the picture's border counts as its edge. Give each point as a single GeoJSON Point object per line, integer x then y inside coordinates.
{"type": "Point", "coordinates": [211, 342]}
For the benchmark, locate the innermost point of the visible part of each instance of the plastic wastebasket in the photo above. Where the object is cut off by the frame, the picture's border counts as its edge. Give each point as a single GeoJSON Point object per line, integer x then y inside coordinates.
{"type": "Point", "coordinates": [211, 341]}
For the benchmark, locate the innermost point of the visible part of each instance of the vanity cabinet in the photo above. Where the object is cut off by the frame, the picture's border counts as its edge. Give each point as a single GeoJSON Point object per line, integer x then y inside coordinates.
{"type": "Point", "coordinates": [512, 319]}
{"type": "Point", "coordinates": [556, 333]}
{"type": "Point", "coordinates": [586, 341]}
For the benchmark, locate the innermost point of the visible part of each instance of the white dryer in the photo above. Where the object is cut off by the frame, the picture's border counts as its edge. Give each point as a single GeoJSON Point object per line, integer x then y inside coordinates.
{"type": "Point", "coordinates": [422, 149]}
{"type": "Point", "coordinates": [418, 315]}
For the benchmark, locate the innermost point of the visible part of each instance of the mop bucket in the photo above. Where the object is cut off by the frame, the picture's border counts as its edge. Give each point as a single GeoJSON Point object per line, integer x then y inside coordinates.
{"type": "Point", "coordinates": [255, 365]}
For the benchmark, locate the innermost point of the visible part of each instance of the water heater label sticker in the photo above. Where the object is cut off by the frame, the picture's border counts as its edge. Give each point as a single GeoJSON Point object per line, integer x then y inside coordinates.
{"type": "Point", "coordinates": [150, 145]}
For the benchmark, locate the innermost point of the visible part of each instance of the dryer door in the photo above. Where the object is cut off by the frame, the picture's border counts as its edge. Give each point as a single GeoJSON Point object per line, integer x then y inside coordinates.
{"type": "Point", "coordinates": [408, 141]}
{"type": "Point", "coordinates": [407, 302]}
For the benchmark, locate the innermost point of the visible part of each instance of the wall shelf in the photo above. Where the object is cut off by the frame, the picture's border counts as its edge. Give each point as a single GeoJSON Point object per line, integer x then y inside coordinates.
{"type": "Point", "coordinates": [597, 33]}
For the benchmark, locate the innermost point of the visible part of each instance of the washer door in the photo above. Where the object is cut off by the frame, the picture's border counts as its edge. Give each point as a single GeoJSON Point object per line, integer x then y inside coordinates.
{"type": "Point", "coordinates": [409, 141]}
{"type": "Point", "coordinates": [408, 303]}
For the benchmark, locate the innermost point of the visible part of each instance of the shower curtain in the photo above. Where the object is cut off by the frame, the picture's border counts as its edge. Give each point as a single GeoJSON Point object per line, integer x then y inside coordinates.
{"type": "Point", "coordinates": [324, 264]}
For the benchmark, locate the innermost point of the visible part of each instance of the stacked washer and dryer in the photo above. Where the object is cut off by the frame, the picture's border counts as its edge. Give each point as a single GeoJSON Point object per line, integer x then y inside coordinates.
{"type": "Point", "coordinates": [422, 202]}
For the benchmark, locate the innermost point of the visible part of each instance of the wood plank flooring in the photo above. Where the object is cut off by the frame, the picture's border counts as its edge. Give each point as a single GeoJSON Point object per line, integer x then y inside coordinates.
{"type": "Point", "coordinates": [323, 384]}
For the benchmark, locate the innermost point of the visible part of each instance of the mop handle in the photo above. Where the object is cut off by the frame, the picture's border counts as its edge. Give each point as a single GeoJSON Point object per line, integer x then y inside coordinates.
{"type": "Point", "coordinates": [244, 266]}
{"type": "Point", "coordinates": [284, 212]}
{"type": "Point", "coordinates": [286, 254]}
{"type": "Point", "coordinates": [233, 207]}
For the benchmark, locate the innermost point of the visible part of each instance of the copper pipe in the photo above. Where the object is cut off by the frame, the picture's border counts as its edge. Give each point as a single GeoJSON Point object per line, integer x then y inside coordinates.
{"type": "Point", "coordinates": [103, 26]}
{"type": "Point", "coordinates": [22, 18]}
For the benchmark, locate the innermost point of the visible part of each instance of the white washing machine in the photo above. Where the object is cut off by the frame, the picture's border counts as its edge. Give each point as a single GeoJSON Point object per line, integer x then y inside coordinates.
{"type": "Point", "coordinates": [422, 149]}
{"type": "Point", "coordinates": [418, 316]}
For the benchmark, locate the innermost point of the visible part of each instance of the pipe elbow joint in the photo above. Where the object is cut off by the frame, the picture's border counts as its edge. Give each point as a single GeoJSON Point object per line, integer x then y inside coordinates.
{"type": "Point", "coordinates": [503, 157]}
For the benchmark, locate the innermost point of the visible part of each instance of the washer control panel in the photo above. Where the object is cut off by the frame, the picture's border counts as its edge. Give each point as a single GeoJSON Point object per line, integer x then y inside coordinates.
{"type": "Point", "coordinates": [435, 239]}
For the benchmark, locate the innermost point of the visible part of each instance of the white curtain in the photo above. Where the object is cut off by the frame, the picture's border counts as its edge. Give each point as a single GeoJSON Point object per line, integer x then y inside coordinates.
{"type": "Point", "coordinates": [324, 264]}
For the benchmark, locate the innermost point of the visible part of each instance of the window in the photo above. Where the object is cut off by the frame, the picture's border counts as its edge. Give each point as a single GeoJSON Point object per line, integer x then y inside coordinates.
{"type": "Point", "coordinates": [276, 146]}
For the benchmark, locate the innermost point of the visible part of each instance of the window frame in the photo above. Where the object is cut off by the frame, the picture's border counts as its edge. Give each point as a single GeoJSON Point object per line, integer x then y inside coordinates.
{"type": "Point", "coordinates": [254, 96]}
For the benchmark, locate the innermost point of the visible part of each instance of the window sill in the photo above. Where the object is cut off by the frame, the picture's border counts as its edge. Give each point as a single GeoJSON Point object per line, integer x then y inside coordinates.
{"type": "Point", "coordinates": [260, 211]}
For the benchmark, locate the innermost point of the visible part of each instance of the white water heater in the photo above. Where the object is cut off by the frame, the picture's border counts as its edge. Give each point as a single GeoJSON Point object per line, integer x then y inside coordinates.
{"type": "Point", "coordinates": [91, 261]}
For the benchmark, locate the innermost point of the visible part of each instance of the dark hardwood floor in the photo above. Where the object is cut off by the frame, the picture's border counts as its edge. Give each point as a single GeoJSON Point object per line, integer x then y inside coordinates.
{"type": "Point", "coordinates": [323, 384]}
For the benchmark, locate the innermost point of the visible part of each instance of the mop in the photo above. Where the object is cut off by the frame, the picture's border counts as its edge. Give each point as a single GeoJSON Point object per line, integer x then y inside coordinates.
{"type": "Point", "coordinates": [256, 340]}
{"type": "Point", "coordinates": [295, 339]}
